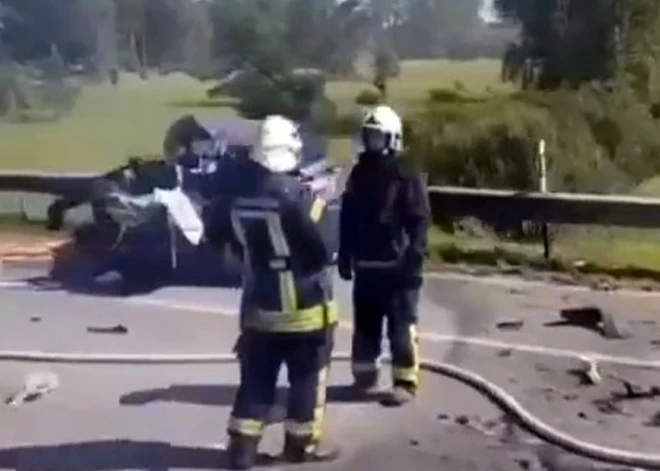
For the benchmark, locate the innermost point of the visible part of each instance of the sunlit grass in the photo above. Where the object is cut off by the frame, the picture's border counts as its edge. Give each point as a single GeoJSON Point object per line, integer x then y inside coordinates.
{"type": "Point", "coordinates": [109, 124]}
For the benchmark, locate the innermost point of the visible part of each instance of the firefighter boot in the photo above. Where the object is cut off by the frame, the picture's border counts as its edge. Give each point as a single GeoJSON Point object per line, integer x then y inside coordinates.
{"type": "Point", "coordinates": [366, 384]}
{"type": "Point", "coordinates": [242, 452]}
{"type": "Point", "coordinates": [304, 450]}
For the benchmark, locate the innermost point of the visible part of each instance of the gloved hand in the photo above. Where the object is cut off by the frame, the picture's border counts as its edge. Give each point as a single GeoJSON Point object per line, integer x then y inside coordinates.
{"type": "Point", "coordinates": [345, 269]}
{"type": "Point", "coordinates": [241, 344]}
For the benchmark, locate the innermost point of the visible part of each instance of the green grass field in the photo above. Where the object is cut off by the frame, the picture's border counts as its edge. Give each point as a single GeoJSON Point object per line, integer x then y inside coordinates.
{"type": "Point", "coordinates": [108, 125]}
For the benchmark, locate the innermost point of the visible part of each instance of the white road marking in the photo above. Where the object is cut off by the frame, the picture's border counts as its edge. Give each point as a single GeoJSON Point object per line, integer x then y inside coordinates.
{"type": "Point", "coordinates": [435, 337]}
{"type": "Point", "coordinates": [14, 284]}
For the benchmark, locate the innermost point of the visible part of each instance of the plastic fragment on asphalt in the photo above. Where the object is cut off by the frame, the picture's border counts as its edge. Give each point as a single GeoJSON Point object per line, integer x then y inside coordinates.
{"type": "Point", "coordinates": [35, 386]}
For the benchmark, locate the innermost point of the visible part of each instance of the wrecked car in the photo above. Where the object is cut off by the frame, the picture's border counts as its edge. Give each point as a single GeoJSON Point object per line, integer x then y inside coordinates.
{"type": "Point", "coordinates": [123, 226]}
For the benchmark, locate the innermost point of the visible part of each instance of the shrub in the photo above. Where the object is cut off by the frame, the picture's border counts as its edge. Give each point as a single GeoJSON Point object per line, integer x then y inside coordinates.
{"type": "Point", "coordinates": [594, 143]}
{"type": "Point", "coordinates": [344, 125]}
{"type": "Point", "coordinates": [386, 64]}
{"type": "Point", "coordinates": [369, 97]}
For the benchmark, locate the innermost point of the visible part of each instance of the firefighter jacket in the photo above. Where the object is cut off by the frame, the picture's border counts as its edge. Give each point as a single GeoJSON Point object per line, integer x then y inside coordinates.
{"type": "Point", "coordinates": [384, 218]}
{"type": "Point", "coordinates": [277, 222]}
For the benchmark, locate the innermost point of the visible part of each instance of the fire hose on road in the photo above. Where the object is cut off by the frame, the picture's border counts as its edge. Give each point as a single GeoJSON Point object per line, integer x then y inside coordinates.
{"type": "Point", "coordinates": [495, 393]}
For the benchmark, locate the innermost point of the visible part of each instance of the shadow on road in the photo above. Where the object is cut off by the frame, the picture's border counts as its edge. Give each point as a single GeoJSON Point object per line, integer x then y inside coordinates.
{"type": "Point", "coordinates": [223, 395]}
{"type": "Point", "coordinates": [138, 283]}
{"type": "Point", "coordinates": [115, 454]}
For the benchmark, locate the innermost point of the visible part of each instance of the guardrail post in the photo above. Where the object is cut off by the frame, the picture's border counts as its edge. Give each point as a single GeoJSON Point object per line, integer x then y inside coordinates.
{"type": "Point", "coordinates": [543, 188]}
{"type": "Point", "coordinates": [22, 208]}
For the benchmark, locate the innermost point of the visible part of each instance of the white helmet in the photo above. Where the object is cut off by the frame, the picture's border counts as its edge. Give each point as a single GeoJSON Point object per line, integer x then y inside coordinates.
{"type": "Point", "coordinates": [382, 130]}
{"type": "Point", "coordinates": [279, 145]}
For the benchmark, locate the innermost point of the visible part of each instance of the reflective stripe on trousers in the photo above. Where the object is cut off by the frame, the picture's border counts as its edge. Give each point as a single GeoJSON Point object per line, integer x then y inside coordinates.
{"type": "Point", "coordinates": [408, 374]}
{"type": "Point", "coordinates": [313, 428]}
{"type": "Point", "coordinates": [374, 304]}
{"type": "Point", "coordinates": [307, 360]}
{"type": "Point", "coordinates": [364, 367]}
{"type": "Point", "coordinates": [245, 427]}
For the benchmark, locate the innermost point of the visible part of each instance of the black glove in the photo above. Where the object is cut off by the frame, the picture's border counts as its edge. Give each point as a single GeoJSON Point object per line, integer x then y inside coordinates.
{"type": "Point", "coordinates": [345, 269]}
{"type": "Point", "coordinates": [241, 344]}
{"type": "Point", "coordinates": [237, 345]}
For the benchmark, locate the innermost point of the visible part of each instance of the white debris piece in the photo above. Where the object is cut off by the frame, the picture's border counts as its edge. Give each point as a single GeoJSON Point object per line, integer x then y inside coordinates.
{"type": "Point", "coordinates": [182, 213]}
{"type": "Point", "coordinates": [35, 385]}
{"type": "Point", "coordinates": [591, 370]}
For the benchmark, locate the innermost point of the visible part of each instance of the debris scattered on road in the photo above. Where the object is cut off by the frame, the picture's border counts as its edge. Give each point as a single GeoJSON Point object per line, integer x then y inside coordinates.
{"type": "Point", "coordinates": [593, 318]}
{"type": "Point", "coordinates": [510, 325]}
{"type": "Point", "coordinates": [118, 329]}
{"type": "Point", "coordinates": [541, 368]}
{"type": "Point", "coordinates": [443, 417]}
{"type": "Point", "coordinates": [609, 406]}
{"type": "Point", "coordinates": [510, 434]}
{"type": "Point", "coordinates": [492, 424]}
{"type": "Point", "coordinates": [654, 421]}
{"type": "Point", "coordinates": [588, 375]}
{"type": "Point", "coordinates": [35, 319]}
{"type": "Point", "coordinates": [587, 316]}
{"type": "Point", "coordinates": [582, 415]}
{"type": "Point", "coordinates": [524, 464]}
{"type": "Point", "coordinates": [35, 386]}
{"type": "Point", "coordinates": [507, 352]}
{"type": "Point", "coordinates": [612, 329]}
{"type": "Point", "coordinates": [592, 373]}
{"type": "Point", "coordinates": [463, 420]}
{"type": "Point", "coordinates": [646, 322]}
{"type": "Point", "coordinates": [636, 391]}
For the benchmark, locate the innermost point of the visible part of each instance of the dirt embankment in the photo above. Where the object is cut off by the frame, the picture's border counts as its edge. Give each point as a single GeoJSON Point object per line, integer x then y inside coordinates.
{"type": "Point", "coordinates": [32, 244]}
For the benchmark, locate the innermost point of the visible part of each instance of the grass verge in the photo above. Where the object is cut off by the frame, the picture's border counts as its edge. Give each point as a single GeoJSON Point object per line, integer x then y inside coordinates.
{"type": "Point", "coordinates": [624, 257]}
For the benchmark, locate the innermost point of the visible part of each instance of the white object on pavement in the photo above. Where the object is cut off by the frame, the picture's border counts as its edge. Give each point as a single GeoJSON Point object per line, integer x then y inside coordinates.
{"type": "Point", "coordinates": [35, 385]}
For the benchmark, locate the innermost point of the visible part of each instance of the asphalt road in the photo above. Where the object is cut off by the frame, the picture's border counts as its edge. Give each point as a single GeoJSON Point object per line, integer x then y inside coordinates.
{"type": "Point", "coordinates": [173, 417]}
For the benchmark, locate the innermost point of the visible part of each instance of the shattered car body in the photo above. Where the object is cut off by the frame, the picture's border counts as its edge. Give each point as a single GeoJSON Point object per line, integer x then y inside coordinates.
{"type": "Point", "coordinates": [129, 222]}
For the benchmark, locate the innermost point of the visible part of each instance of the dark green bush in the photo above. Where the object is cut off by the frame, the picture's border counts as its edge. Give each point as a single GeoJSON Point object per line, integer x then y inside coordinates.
{"type": "Point", "coordinates": [344, 125]}
{"type": "Point", "coordinates": [594, 142]}
{"type": "Point", "coordinates": [369, 97]}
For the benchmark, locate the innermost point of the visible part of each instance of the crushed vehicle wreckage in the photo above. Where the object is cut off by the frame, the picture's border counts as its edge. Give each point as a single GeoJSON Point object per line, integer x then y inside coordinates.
{"type": "Point", "coordinates": [141, 225]}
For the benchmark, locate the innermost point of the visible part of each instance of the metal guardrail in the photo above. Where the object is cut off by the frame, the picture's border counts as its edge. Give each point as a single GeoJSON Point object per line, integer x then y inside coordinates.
{"type": "Point", "coordinates": [60, 184]}
{"type": "Point", "coordinates": [563, 208]}
{"type": "Point", "coordinates": [446, 202]}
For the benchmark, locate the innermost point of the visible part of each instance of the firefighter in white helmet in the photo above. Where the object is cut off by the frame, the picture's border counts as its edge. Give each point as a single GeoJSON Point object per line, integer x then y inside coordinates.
{"type": "Point", "coordinates": [383, 225]}
{"type": "Point", "coordinates": [289, 313]}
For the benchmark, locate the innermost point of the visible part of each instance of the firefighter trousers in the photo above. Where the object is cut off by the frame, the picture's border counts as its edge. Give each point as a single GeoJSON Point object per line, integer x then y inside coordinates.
{"type": "Point", "coordinates": [307, 359]}
{"type": "Point", "coordinates": [378, 301]}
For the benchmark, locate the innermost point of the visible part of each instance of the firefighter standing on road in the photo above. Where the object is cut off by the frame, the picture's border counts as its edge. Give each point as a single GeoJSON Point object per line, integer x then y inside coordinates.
{"type": "Point", "coordinates": [289, 314]}
{"type": "Point", "coordinates": [384, 220]}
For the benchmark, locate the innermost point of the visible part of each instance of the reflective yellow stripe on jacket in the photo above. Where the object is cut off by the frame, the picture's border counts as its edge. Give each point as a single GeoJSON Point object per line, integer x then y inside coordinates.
{"type": "Point", "coordinates": [291, 318]}
{"type": "Point", "coordinates": [302, 320]}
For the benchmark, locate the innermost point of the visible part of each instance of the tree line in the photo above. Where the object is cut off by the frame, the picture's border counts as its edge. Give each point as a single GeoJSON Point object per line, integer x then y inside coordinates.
{"type": "Point", "coordinates": [207, 36]}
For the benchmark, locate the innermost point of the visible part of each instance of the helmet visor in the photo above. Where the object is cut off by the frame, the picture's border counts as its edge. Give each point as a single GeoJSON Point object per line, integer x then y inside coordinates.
{"type": "Point", "coordinates": [374, 140]}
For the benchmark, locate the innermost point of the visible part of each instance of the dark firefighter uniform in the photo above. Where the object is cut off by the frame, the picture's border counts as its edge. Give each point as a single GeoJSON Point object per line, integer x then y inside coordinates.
{"type": "Point", "coordinates": [383, 234]}
{"type": "Point", "coordinates": [288, 310]}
